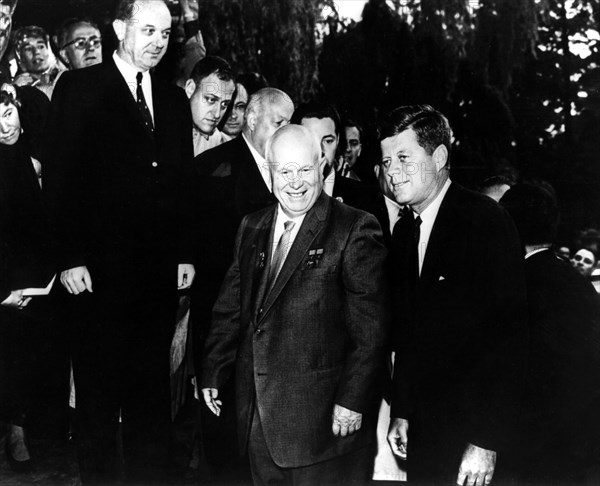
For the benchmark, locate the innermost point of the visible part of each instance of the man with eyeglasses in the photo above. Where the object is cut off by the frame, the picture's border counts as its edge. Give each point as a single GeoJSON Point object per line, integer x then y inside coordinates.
{"type": "Point", "coordinates": [80, 43]}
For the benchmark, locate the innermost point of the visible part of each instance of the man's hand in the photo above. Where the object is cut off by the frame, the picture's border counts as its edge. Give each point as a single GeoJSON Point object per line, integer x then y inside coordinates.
{"type": "Point", "coordinates": [76, 280]}
{"type": "Point", "coordinates": [210, 398]}
{"type": "Point", "coordinates": [345, 421]}
{"type": "Point", "coordinates": [16, 300]}
{"type": "Point", "coordinates": [398, 437]}
{"type": "Point", "coordinates": [185, 275]}
{"type": "Point", "coordinates": [477, 466]}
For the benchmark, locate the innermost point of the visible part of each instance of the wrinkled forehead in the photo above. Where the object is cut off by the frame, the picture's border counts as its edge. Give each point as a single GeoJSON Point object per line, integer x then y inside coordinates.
{"type": "Point", "coordinates": [83, 30]}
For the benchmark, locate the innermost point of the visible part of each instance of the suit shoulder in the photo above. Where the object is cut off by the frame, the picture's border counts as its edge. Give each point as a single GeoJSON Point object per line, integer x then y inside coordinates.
{"type": "Point", "coordinates": [344, 212]}
{"type": "Point", "coordinates": [207, 162]}
{"type": "Point", "coordinates": [478, 206]}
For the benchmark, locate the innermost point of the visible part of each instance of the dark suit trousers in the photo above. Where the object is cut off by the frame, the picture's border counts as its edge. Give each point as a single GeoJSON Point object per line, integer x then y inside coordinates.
{"type": "Point", "coordinates": [354, 468]}
{"type": "Point", "coordinates": [121, 365]}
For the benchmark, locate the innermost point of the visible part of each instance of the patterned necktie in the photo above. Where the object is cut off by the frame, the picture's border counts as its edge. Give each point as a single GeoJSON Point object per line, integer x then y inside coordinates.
{"type": "Point", "coordinates": [142, 106]}
{"type": "Point", "coordinates": [281, 251]}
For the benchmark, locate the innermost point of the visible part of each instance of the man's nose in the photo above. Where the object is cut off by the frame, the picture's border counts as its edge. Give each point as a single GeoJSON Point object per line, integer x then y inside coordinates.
{"type": "Point", "coordinates": [296, 181]}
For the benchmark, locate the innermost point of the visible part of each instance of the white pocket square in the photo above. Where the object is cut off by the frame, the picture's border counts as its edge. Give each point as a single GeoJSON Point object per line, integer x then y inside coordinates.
{"type": "Point", "coordinates": [441, 278]}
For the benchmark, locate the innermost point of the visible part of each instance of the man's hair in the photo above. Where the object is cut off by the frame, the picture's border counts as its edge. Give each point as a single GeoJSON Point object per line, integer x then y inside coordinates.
{"type": "Point", "coordinates": [212, 65]}
{"type": "Point", "coordinates": [534, 209]}
{"type": "Point", "coordinates": [33, 31]}
{"type": "Point", "coordinates": [430, 126]}
{"type": "Point", "coordinates": [126, 9]}
{"type": "Point", "coordinates": [266, 96]}
{"type": "Point", "coordinates": [62, 33]}
{"type": "Point", "coordinates": [314, 109]}
{"type": "Point", "coordinates": [8, 96]}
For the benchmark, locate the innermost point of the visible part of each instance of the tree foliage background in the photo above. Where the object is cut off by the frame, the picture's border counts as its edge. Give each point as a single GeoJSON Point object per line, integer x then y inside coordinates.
{"type": "Point", "coordinates": [520, 81]}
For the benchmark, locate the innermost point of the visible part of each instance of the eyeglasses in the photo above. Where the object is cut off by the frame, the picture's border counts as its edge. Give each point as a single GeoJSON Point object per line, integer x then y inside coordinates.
{"type": "Point", "coordinates": [81, 43]}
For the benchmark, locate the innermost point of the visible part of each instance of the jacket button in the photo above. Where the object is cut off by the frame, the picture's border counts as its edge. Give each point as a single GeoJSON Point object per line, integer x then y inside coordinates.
{"type": "Point", "coordinates": [258, 332]}
{"type": "Point", "coordinates": [154, 164]}
{"type": "Point", "coordinates": [260, 311]}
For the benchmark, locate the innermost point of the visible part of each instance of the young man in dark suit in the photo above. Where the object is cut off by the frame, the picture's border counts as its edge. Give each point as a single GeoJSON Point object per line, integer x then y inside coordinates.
{"type": "Point", "coordinates": [458, 309]}
{"type": "Point", "coordinates": [118, 141]}
{"type": "Point", "coordinates": [559, 416]}
{"type": "Point", "coordinates": [324, 121]}
{"type": "Point", "coordinates": [302, 326]}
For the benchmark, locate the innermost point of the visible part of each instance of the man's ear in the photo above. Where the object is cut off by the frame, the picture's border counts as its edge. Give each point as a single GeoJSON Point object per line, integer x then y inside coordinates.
{"type": "Point", "coordinates": [251, 120]}
{"type": "Point", "coordinates": [190, 87]}
{"type": "Point", "coordinates": [440, 157]}
{"type": "Point", "coordinates": [376, 169]}
{"type": "Point", "coordinates": [359, 150]}
{"type": "Point", "coordinates": [119, 26]}
{"type": "Point", "coordinates": [63, 55]}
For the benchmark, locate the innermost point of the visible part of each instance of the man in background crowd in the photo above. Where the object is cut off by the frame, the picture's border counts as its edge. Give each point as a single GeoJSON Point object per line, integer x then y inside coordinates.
{"type": "Point", "coordinates": [210, 90]}
{"type": "Point", "coordinates": [324, 122]}
{"type": "Point", "coordinates": [559, 424]}
{"type": "Point", "coordinates": [353, 149]}
{"type": "Point", "coordinates": [80, 43]}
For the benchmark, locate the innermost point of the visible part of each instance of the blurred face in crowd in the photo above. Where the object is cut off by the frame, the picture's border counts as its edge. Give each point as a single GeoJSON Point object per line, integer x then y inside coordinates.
{"type": "Point", "coordinates": [208, 101]}
{"type": "Point", "coordinates": [496, 191]}
{"type": "Point", "coordinates": [34, 55]}
{"type": "Point", "coordinates": [294, 162]}
{"type": "Point", "coordinates": [263, 122]}
{"type": "Point", "coordinates": [10, 124]}
{"type": "Point", "coordinates": [83, 47]}
{"type": "Point", "coordinates": [353, 146]}
{"type": "Point", "coordinates": [324, 130]}
{"type": "Point", "coordinates": [564, 253]}
{"type": "Point", "coordinates": [235, 122]}
{"type": "Point", "coordinates": [412, 175]}
{"type": "Point", "coordinates": [143, 39]}
{"type": "Point", "coordinates": [5, 27]}
{"type": "Point", "coordinates": [584, 262]}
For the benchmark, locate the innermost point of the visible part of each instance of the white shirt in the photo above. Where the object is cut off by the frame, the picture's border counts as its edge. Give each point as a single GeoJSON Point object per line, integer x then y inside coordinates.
{"type": "Point", "coordinates": [129, 73]}
{"type": "Point", "coordinates": [202, 143]}
{"type": "Point", "coordinates": [393, 211]}
{"type": "Point", "coordinates": [427, 220]}
{"type": "Point", "coordinates": [329, 183]}
{"type": "Point", "coordinates": [280, 219]}
{"type": "Point", "coordinates": [261, 163]}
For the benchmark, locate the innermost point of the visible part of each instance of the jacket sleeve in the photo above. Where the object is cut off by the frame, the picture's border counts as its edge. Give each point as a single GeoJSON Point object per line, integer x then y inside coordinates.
{"type": "Point", "coordinates": [220, 349]}
{"type": "Point", "coordinates": [366, 313]}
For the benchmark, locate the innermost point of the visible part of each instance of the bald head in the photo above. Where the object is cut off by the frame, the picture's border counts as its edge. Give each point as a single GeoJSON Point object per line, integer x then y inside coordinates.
{"type": "Point", "coordinates": [268, 110]}
{"type": "Point", "coordinates": [293, 155]}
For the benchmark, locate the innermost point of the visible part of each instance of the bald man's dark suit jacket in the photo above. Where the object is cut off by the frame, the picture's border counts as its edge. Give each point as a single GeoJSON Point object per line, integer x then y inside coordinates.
{"type": "Point", "coordinates": [459, 363]}
{"type": "Point", "coordinates": [227, 186]}
{"type": "Point", "coordinates": [314, 340]}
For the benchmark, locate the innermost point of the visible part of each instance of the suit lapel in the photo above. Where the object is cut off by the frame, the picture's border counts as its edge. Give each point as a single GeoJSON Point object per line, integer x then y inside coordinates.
{"type": "Point", "coordinates": [439, 238]}
{"type": "Point", "coordinates": [264, 245]}
{"type": "Point", "coordinates": [124, 90]}
{"type": "Point", "coordinates": [312, 224]}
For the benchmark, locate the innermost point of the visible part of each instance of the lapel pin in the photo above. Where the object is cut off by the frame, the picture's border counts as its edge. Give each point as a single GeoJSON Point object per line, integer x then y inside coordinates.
{"type": "Point", "coordinates": [261, 259]}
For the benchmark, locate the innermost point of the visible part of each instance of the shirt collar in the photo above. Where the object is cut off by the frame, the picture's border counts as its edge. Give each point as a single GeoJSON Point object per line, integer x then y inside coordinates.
{"type": "Point", "coordinates": [128, 71]}
{"type": "Point", "coordinates": [260, 160]}
{"type": "Point", "coordinates": [393, 208]}
{"type": "Point", "coordinates": [430, 212]}
{"type": "Point", "coordinates": [533, 252]}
